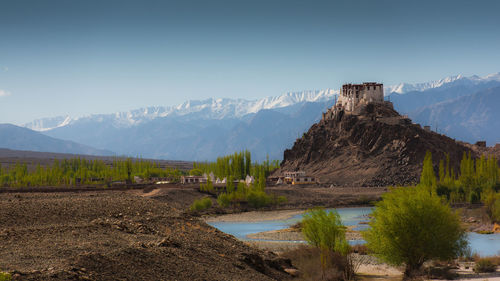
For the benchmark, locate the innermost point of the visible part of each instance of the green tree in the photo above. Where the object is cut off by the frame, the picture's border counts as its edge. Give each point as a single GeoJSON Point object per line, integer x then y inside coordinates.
{"type": "Point", "coordinates": [411, 225]}
{"type": "Point", "coordinates": [428, 178]}
{"type": "Point", "coordinates": [325, 230]}
{"type": "Point", "coordinates": [195, 172]}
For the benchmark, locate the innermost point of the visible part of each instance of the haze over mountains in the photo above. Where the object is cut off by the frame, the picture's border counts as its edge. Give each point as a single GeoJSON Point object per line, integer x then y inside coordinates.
{"type": "Point", "coordinates": [203, 130]}
{"type": "Point", "coordinates": [19, 138]}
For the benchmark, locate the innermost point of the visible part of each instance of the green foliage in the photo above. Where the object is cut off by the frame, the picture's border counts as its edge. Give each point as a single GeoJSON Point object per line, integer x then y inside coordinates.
{"type": "Point", "coordinates": [258, 198]}
{"type": "Point", "coordinates": [427, 177]}
{"type": "Point", "coordinates": [5, 276]}
{"type": "Point", "coordinates": [208, 187]}
{"type": "Point", "coordinates": [230, 185]}
{"type": "Point", "coordinates": [477, 177]}
{"type": "Point", "coordinates": [196, 172]}
{"type": "Point", "coordinates": [238, 166]}
{"type": "Point", "coordinates": [492, 203]}
{"type": "Point", "coordinates": [484, 265]}
{"type": "Point", "coordinates": [201, 204]}
{"type": "Point", "coordinates": [77, 171]}
{"type": "Point", "coordinates": [324, 230]}
{"type": "Point", "coordinates": [224, 200]}
{"type": "Point", "coordinates": [411, 225]}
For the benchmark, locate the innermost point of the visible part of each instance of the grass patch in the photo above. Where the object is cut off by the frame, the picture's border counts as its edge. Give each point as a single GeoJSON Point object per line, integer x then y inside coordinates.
{"type": "Point", "coordinates": [201, 204]}
{"type": "Point", "coordinates": [308, 261]}
{"type": "Point", "coordinates": [4, 276]}
{"type": "Point", "coordinates": [484, 265]}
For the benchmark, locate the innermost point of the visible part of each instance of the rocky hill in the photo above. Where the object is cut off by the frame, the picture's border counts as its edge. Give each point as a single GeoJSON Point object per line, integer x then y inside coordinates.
{"type": "Point", "coordinates": [374, 147]}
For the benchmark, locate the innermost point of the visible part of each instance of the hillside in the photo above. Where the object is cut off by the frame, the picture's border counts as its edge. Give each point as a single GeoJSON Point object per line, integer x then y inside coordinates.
{"type": "Point", "coordinates": [376, 148]}
{"type": "Point", "coordinates": [18, 138]}
{"type": "Point", "coordinates": [469, 118]}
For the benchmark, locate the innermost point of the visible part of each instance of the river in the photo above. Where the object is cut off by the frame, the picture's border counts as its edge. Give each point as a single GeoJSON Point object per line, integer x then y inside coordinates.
{"type": "Point", "coordinates": [482, 244]}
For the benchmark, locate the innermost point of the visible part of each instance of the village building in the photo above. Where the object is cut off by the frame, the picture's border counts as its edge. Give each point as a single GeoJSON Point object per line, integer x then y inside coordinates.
{"type": "Point", "coordinates": [193, 179]}
{"type": "Point", "coordinates": [298, 177]}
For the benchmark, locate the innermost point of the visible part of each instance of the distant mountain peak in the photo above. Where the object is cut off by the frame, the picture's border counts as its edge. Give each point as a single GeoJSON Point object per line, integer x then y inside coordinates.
{"type": "Point", "coordinates": [419, 87]}
{"type": "Point", "coordinates": [212, 108]}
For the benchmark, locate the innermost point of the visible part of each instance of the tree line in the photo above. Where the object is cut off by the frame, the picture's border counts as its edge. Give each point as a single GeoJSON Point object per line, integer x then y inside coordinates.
{"type": "Point", "coordinates": [236, 166]}
{"type": "Point", "coordinates": [78, 171]}
{"type": "Point", "coordinates": [476, 179]}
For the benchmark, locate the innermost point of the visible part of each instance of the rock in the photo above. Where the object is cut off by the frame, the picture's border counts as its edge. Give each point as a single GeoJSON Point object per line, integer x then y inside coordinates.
{"type": "Point", "coordinates": [292, 271]}
{"type": "Point", "coordinates": [496, 228]}
{"type": "Point", "coordinates": [361, 150]}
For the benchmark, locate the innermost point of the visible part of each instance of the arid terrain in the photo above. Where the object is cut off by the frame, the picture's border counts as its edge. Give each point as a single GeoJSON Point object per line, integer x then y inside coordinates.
{"type": "Point", "coordinates": [377, 147]}
{"type": "Point", "coordinates": [120, 235]}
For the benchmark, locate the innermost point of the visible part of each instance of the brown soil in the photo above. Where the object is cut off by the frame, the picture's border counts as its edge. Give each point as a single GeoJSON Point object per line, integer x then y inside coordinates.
{"type": "Point", "coordinates": [378, 147]}
{"type": "Point", "coordinates": [119, 235]}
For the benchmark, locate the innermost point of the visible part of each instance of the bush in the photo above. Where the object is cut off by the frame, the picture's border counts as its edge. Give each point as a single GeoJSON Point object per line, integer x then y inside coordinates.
{"type": "Point", "coordinates": [412, 225]}
{"type": "Point", "coordinates": [223, 200]}
{"type": "Point", "coordinates": [201, 204]}
{"type": "Point", "coordinates": [5, 276]}
{"type": "Point", "coordinates": [492, 202]}
{"type": "Point", "coordinates": [326, 232]}
{"type": "Point", "coordinates": [484, 265]}
{"type": "Point", "coordinates": [258, 199]}
{"type": "Point", "coordinates": [196, 172]}
{"type": "Point", "coordinates": [308, 261]}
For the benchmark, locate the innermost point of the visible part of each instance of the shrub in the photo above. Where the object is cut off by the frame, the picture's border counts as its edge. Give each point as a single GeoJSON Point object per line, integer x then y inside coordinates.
{"type": "Point", "coordinates": [258, 199]}
{"type": "Point", "coordinates": [201, 204]}
{"type": "Point", "coordinates": [195, 172]}
{"type": "Point", "coordinates": [484, 265]}
{"type": "Point", "coordinates": [492, 202]}
{"type": "Point", "coordinates": [223, 200]}
{"type": "Point", "coordinates": [307, 260]}
{"type": "Point", "coordinates": [325, 231]}
{"type": "Point", "coordinates": [412, 225]}
{"type": "Point", "coordinates": [5, 276]}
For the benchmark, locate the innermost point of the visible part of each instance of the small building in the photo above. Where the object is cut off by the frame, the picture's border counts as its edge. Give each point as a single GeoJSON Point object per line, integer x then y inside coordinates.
{"type": "Point", "coordinates": [249, 180]}
{"type": "Point", "coordinates": [193, 179]}
{"type": "Point", "coordinates": [427, 128]}
{"type": "Point", "coordinates": [298, 177]}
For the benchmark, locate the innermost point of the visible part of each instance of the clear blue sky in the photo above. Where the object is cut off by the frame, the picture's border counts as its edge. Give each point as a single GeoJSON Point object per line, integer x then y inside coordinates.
{"type": "Point", "coordinates": [79, 57]}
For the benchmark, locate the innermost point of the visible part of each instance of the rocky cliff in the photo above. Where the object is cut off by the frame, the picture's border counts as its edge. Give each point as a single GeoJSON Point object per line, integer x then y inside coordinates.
{"type": "Point", "coordinates": [374, 147]}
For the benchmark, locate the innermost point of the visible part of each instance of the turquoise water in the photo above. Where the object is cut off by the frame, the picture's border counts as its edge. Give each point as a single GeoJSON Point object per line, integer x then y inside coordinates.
{"type": "Point", "coordinates": [484, 245]}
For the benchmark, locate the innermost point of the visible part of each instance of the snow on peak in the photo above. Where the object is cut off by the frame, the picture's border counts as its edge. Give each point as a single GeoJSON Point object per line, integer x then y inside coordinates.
{"type": "Point", "coordinates": [210, 108]}
{"type": "Point", "coordinates": [419, 87]}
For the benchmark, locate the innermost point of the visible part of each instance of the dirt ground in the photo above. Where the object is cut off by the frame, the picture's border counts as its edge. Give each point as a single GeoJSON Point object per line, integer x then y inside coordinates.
{"type": "Point", "coordinates": [119, 235]}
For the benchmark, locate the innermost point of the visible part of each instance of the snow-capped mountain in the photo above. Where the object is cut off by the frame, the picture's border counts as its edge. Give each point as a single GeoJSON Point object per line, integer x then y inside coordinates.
{"type": "Point", "coordinates": [205, 109]}
{"type": "Point", "coordinates": [204, 130]}
{"type": "Point", "coordinates": [404, 88]}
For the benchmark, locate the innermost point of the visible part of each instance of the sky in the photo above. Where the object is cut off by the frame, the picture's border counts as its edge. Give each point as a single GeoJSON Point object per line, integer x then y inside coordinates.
{"type": "Point", "coordinates": [79, 57]}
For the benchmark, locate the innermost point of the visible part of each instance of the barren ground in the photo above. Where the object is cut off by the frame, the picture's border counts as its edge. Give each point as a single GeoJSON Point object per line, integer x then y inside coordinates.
{"type": "Point", "coordinates": [119, 235]}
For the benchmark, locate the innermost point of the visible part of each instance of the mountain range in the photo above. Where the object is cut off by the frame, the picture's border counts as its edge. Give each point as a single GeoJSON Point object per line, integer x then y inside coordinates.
{"type": "Point", "coordinates": [19, 138]}
{"type": "Point", "coordinates": [203, 130]}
